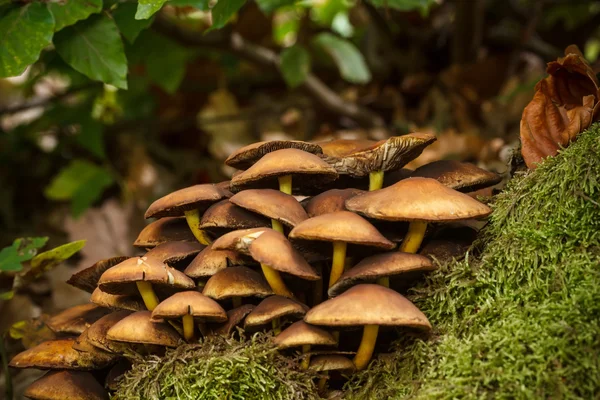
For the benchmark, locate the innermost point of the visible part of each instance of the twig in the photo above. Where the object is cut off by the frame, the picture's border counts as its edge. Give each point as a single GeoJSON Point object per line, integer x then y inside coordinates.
{"type": "Point", "coordinates": [236, 44]}
{"type": "Point", "coordinates": [42, 102]}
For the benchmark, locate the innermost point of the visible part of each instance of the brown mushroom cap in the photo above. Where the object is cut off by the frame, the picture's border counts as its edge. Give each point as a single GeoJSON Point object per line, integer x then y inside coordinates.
{"type": "Point", "coordinates": [244, 157]}
{"type": "Point", "coordinates": [368, 304]}
{"type": "Point", "coordinates": [87, 278]}
{"type": "Point", "coordinates": [342, 147]}
{"type": "Point", "coordinates": [330, 201]}
{"type": "Point", "coordinates": [96, 333]}
{"type": "Point", "coordinates": [66, 385]}
{"type": "Point", "coordinates": [234, 318]}
{"type": "Point", "coordinates": [300, 333]}
{"type": "Point", "coordinates": [121, 278]}
{"type": "Point", "coordinates": [117, 301]}
{"type": "Point", "coordinates": [168, 229]}
{"type": "Point", "coordinates": [76, 319]}
{"type": "Point", "coordinates": [232, 240]}
{"type": "Point", "coordinates": [139, 328]}
{"type": "Point", "coordinates": [173, 252]}
{"type": "Point", "coordinates": [275, 307]}
{"type": "Point", "coordinates": [236, 282]}
{"type": "Point", "coordinates": [189, 303]}
{"type": "Point", "coordinates": [417, 199]}
{"type": "Point", "coordinates": [461, 176]}
{"type": "Point", "coordinates": [272, 204]}
{"type": "Point", "coordinates": [378, 266]}
{"type": "Point", "coordinates": [60, 354]}
{"type": "Point", "coordinates": [191, 198]}
{"type": "Point", "coordinates": [331, 362]}
{"type": "Point", "coordinates": [264, 174]}
{"type": "Point", "coordinates": [225, 216]}
{"type": "Point", "coordinates": [341, 226]}
{"type": "Point", "coordinates": [211, 261]}
{"type": "Point", "coordinates": [385, 155]}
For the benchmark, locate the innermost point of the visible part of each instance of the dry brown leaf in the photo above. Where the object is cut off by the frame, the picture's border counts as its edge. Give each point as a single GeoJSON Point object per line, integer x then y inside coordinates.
{"type": "Point", "coordinates": [565, 103]}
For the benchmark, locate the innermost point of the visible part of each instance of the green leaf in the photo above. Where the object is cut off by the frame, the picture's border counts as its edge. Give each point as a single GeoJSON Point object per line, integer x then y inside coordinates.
{"type": "Point", "coordinates": [347, 57]}
{"type": "Point", "coordinates": [404, 5]}
{"type": "Point", "coordinates": [268, 6]}
{"type": "Point", "coordinates": [22, 249]}
{"type": "Point", "coordinates": [90, 137]}
{"type": "Point", "coordinates": [341, 25]}
{"type": "Point", "coordinates": [47, 260]}
{"type": "Point", "coordinates": [223, 11]}
{"type": "Point", "coordinates": [147, 8]}
{"type": "Point", "coordinates": [94, 48]}
{"type": "Point", "coordinates": [199, 4]}
{"type": "Point", "coordinates": [295, 65]}
{"type": "Point", "coordinates": [323, 12]}
{"type": "Point", "coordinates": [69, 12]}
{"type": "Point", "coordinates": [81, 182]}
{"type": "Point", "coordinates": [124, 16]}
{"type": "Point", "coordinates": [24, 33]}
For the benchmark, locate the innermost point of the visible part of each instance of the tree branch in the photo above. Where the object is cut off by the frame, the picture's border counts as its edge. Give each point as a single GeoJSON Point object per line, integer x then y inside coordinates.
{"type": "Point", "coordinates": [233, 42]}
{"type": "Point", "coordinates": [42, 102]}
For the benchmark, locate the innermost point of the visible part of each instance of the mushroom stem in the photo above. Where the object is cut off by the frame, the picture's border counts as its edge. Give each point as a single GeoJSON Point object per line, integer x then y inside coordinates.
{"type": "Point", "coordinates": [237, 301]}
{"type": "Point", "coordinates": [188, 327]}
{"type": "Point", "coordinates": [148, 295]}
{"type": "Point", "coordinates": [276, 225]}
{"type": "Point", "coordinates": [285, 184]}
{"type": "Point", "coordinates": [375, 180]}
{"type": "Point", "coordinates": [413, 239]}
{"type": "Point", "coordinates": [276, 326]}
{"type": "Point", "coordinates": [193, 220]}
{"type": "Point", "coordinates": [322, 385]}
{"type": "Point", "coordinates": [276, 282]}
{"type": "Point", "coordinates": [384, 281]}
{"type": "Point", "coordinates": [306, 360]}
{"type": "Point", "coordinates": [337, 265]}
{"type": "Point", "coordinates": [367, 345]}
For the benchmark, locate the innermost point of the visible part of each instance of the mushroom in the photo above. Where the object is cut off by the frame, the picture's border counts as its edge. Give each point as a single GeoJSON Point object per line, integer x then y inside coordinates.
{"type": "Point", "coordinates": [330, 362]}
{"type": "Point", "coordinates": [371, 306]}
{"type": "Point", "coordinates": [189, 306]}
{"type": "Point", "coordinates": [189, 202]}
{"type": "Point", "coordinates": [96, 333]}
{"type": "Point", "coordinates": [140, 328]}
{"type": "Point", "coordinates": [117, 301]}
{"type": "Point", "coordinates": [272, 309]}
{"type": "Point", "coordinates": [140, 274]}
{"type": "Point", "coordinates": [281, 165]}
{"type": "Point", "coordinates": [244, 157]}
{"type": "Point", "coordinates": [340, 228]}
{"type": "Point", "coordinates": [301, 334]}
{"type": "Point", "coordinates": [361, 158]}
{"type": "Point", "coordinates": [461, 176]}
{"type": "Point", "coordinates": [210, 261]}
{"type": "Point", "coordinates": [173, 252]}
{"type": "Point", "coordinates": [76, 319]}
{"type": "Point", "coordinates": [168, 229]}
{"type": "Point", "coordinates": [330, 201]}
{"type": "Point", "coordinates": [379, 268]}
{"type": "Point", "coordinates": [418, 200]}
{"type": "Point", "coordinates": [236, 282]}
{"type": "Point", "coordinates": [87, 278]}
{"type": "Point", "coordinates": [235, 317]}
{"type": "Point", "coordinates": [62, 385]}
{"type": "Point", "coordinates": [224, 216]}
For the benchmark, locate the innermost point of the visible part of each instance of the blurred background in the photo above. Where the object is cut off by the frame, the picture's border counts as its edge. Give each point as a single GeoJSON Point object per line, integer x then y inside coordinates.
{"type": "Point", "coordinates": [82, 160]}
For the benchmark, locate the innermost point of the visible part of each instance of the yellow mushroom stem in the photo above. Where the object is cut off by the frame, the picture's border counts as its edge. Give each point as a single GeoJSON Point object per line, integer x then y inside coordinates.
{"type": "Point", "coordinates": [375, 180]}
{"type": "Point", "coordinates": [367, 345]}
{"type": "Point", "coordinates": [384, 281]}
{"type": "Point", "coordinates": [237, 301]}
{"type": "Point", "coordinates": [188, 327]}
{"type": "Point", "coordinates": [276, 282]}
{"type": "Point", "coordinates": [276, 326]}
{"type": "Point", "coordinates": [337, 265]}
{"type": "Point", "coordinates": [413, 239]}
{"type": "Point", "coordinates": [277, 225]}
{"type": "Point", "coordinates": [322, 385]}
{"type": "Point", "coordinates": [148, 295]}
{"type": "Point", "coordinates": [306, 360]}
{"type": "Point", "coordinates": [193, 220]}
{"type": "Point", "coordinates": [285, 184]}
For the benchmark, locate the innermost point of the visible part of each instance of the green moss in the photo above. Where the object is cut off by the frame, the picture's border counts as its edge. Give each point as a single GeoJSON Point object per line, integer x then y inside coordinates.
{"type": "Point", "coordinates": [521, 319]}
{"type": "Point", "coordinates": [219, 368]}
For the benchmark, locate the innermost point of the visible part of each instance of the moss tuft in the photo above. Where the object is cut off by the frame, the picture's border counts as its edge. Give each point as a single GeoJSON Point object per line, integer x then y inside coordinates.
{"type": "Point", "coordinates": [521, 319]}
{"type": "Point", "coordinates": [219, 368]}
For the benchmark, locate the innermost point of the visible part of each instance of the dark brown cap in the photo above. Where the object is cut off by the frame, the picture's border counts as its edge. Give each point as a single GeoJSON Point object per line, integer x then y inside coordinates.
{"type": "Point", "coordinates": [312, 170]}
{"type": "Point", "coordinates": [461, 176]}
{"type": "Point", "coordinates": [244, 157]}
{"type": "Point", "coordinates": [225, 216]}
{"type": "Point", "coordinates": [191, 198]}
{"type": "Point", "coordinates": [368, 304]}
{"type": "Point", "coordinates": [275, 307]}
{"type": "Point", "coordinates": [96, 333]}
{"type": "Point", "coordinates": [168, 229]}
{"type": "Point", "coordinates": [117, 301]}
{"type": "Point", "coordinates": [87, 278]}
{"type": "Point", "coordinates": [272, 204]}
{"type": "Point", "coordinates": [76, 319]}
{"type": "Point", "coordinates": [300, 333]}
{"type": "Point", "coordinates": [330, 201]}
{"type": "Point", "coordinates": [236, 282]}
{"type": "Point", "coordinates": [211, 261]}
{"type": "Point", "coordinates": [191, 303]}
{"type": "Point", "coordinates": [139, 328]}
{"type": "Point", "coordinates": [235, 317]}
{"type": "Point", "coordinates": [66, 385]}
{"type": "Point", "coordinates": [381, 265]}
{"type": "Point", "coordinates": [417, 199]}
{"type": "Point", "coordinates": [174, 252]}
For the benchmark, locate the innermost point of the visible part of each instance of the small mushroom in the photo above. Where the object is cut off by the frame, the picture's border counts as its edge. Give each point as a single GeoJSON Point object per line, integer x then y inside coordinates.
{"type": "Point", "coordinates": [330, 362]}
{"type": "Point", "coordinates": [96, 333]}
{"type": "Point", "coordinates": [461, 176]}
{"type": "Point", "coordinates": [210, 261]}
{"type": "Point", "coordinates": [244, 157]}
{"type": "Point", "coordinates": [370, 306]}
{"type": "Point", "coordinates": [87, 278]}
{"type": "Point", "coordinates": [189, 306]}
{"type": "Point", "coordinates": [235, 317]}
{"type": "Point", "coordinates": [235, 283]}
{"type": "Point", "coordinates": [66, 385]}
{"type": "Point", "coordinates": [173, 252]}
{"type": "Point", "coordinates": [117, 301]}
{"type": "Point", "coordinates": [168, 229]}
{"type": "Point", "coordinates": [272, 309]}
{"type": "Point", "coordinates": [301, 334]}
{"type": "Point", "coordinates": [330, 201]}
{"type": "Point", "coordinates": [140, 328]}
{"type": "Point", "coordinates": [224, 216]}
{"type": "Point", "coordinates": [76, 319]}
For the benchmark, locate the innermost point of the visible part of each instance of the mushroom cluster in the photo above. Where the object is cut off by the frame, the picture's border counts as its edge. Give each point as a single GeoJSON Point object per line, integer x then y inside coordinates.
{"type": "Point", "coordinates": [292, 245]}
